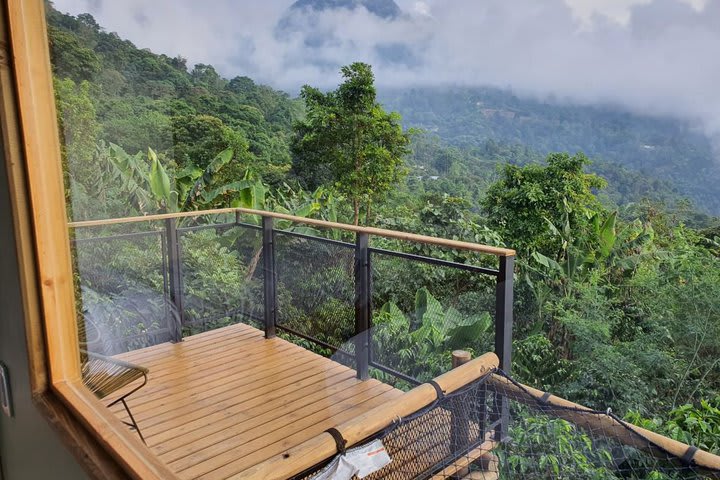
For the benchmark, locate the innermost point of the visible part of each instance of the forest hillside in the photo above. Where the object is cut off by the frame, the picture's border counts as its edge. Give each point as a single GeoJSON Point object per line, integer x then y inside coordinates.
{"type": "Point", "coordinates": [617, 282]}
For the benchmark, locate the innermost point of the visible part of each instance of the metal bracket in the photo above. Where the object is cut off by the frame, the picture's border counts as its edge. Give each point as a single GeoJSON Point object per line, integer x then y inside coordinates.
{"type": "Point", "coordinates": [5, 394]}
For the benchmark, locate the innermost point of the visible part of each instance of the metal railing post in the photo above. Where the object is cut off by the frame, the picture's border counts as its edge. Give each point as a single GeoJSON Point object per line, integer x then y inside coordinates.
{"type": "Point", "coordinates": [362, 305]}
{"type": "Point", "coordinates": [504, 312]}
{"type": "Point", "coordinates": [175, 278]}
{"type": "Point", "coordinates": [503, 336]}
{"type": "Point", "coordinates": [269, 276]}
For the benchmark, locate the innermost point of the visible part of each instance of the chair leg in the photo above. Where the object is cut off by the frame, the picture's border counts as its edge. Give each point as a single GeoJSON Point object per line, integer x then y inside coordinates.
{"type": "Point", "coordinates": [132, 419]}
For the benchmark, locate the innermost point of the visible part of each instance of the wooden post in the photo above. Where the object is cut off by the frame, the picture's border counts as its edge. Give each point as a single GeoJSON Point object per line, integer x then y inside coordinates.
{"type": "Point", "coordinates": [460, 357]}
{"type": "Point", "coordinates": [459, 419]}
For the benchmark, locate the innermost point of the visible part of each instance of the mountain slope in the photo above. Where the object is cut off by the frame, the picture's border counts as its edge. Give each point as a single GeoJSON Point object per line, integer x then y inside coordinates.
{"type": "Point", "coordinates": [661, 147]}
{"type": "Point", "coordinates": [141, 99]}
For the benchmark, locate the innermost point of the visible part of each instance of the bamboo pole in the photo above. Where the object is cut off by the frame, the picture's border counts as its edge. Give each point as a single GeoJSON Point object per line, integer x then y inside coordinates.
{"type": "Point", "coordinates": [323, 447]}
{"type": "Point", "coordinates": [380, 232]}
{"type": "Point", "coordinates": [459, 468]}
{"type": "Point", "coordinates": [608, 425]}
{"type": "Point", "coordinates": [460, 424]}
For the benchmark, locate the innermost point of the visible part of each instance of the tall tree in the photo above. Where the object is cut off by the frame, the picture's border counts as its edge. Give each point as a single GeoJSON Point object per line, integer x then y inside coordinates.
{"type": "Point", "coordinates": [348, 141]}
{"type": "Point", "coordinates": [524, 203]}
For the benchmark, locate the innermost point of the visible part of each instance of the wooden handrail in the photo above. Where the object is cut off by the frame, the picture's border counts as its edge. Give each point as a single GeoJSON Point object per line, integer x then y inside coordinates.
{"type": "Point", "coordinates": [574, 413]}
{"type": "Point", "coordinates": [323, 446]}
{"type": "Point", "coordinates": [380, 232]}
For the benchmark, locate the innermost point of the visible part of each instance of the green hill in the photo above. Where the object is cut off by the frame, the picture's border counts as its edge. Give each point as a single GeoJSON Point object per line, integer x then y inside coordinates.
{"type": "Point", "coordinates": [661, 148]}
{"type": "Point", "coordinates": [140, 99]}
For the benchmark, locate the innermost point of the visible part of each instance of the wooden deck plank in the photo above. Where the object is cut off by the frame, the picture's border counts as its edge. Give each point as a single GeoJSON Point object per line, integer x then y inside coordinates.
{"type": "Point", "coordinates": [161, 351]}
{"type": "Point", "coordinates": [220, 425]}
{"type": "Point", "coordinates": [310, 431]}
{"type": "Point", "coordinates": [165, 387]}
{"type": "Point", "coordinates": [214, 398]}
{"type": "Point", "coordinates": [241, 458]}
{"type": "Point", "coordinates": [240, 384]}
{"type": "Point", "coordinates": [222, 401]}
{"type": "Point", "coordinates": [187, 351]}
{"type": "Point", "coordinates": [212, 438]}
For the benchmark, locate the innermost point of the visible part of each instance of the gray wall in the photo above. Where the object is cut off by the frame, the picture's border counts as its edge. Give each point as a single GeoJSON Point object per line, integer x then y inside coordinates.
{"type": "Point", "coordinates": [29, 448]}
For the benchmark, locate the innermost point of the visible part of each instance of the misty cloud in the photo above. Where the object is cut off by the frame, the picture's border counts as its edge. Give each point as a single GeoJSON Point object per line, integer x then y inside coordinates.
{"type": "Point", "coordinates": [657, 57]}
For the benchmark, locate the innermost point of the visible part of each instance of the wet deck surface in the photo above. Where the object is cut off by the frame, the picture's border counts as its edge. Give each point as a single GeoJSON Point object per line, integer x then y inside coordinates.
{"type": "Point", "coordinates": [223, 401]}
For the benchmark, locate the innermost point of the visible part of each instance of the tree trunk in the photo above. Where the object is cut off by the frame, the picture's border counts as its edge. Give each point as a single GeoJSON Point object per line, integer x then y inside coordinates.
{"type": "Point", "coordinates": [253, 263]}
{"type": "Point", "coordinates": [356, 211]}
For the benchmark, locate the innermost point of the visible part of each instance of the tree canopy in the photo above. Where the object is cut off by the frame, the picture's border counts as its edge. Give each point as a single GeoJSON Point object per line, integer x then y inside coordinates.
{"type": "Point", "coordinates": [349, 141]}
{"type": "Point", "coordinates": [617, 283]}
{"type": "Point", "coordinates": [526, 200]}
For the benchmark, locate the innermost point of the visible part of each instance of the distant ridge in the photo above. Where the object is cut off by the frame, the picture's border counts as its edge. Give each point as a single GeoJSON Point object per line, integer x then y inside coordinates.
{"type": "Point", "coordinates": [302, 19]}
{"type": "Point", "coordinates": [386, 9]}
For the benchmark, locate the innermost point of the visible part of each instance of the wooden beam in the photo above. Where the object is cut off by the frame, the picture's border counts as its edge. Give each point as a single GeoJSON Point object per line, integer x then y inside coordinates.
{"type": "Point", "coordinates": [134, 457]}
{"type": "Point", "coordinates": [21, 214]}
{"type": "Point", "coordinates": [626, 434]}
{"type": "Point", "coordinates": [43, 170]}
{"type": "Point", "coordinates": [380, 232]}
{"type": "Point", "coordinates": [323, 447]}
{"type": "Point", "coordinates": [102, 445]}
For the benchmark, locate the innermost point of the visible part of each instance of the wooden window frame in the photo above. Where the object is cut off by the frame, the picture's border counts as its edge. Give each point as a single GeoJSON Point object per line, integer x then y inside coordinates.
{"type": "Point", "coordinates": [102, 444]}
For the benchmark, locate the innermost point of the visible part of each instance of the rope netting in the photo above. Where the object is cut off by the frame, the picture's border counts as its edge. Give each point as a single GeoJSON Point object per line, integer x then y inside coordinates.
{"type": "Point", "coordinates": [496, 428]}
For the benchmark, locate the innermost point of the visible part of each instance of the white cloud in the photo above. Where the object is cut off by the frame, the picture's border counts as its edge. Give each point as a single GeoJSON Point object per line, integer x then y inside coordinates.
{"type": "Point", "coordinates": [653, 56]}
{"type": "Point", "coordinates": [422, 9]}
{"type": "Point", "coordinates": [619, 11]}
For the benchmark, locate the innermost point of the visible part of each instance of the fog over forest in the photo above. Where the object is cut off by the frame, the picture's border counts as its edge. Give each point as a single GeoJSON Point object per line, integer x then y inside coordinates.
{"type": "Point", "coordinates": [651, 56]}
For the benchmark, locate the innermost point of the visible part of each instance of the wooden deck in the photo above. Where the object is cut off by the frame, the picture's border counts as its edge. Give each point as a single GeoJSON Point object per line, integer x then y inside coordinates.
{"type": "Point", "coordinates": [223, 401]}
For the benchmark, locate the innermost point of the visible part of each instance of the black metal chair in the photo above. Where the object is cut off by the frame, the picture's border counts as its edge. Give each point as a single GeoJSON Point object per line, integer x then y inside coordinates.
{"type": "Point", "coordinates": [104, 375]}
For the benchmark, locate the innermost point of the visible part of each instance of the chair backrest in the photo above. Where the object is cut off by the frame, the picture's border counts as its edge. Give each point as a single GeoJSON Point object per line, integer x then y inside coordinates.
{"type": "Point", "coordinates": [104, 375]}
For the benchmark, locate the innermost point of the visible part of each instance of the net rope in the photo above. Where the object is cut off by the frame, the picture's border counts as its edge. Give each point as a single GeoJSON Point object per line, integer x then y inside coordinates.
{"type": "Point", "coordinates": [496, 428]}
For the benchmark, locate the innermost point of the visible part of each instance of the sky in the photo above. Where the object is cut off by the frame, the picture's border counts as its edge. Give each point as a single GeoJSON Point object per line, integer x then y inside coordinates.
{"type": "Point", "coordinates": [659, 57]}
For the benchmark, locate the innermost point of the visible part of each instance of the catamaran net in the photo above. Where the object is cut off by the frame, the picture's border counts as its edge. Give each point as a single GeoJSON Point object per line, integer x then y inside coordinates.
{"type": "Point", "coordinates": [496, 428]}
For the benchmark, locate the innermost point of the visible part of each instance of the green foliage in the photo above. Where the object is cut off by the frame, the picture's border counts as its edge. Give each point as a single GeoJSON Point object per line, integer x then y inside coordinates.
{"type": "Point", "coordinates": [537, 363]}
{"type": "Point", "coordinates": [72, 59]}
{"type": "Point", "coordinates": [641, 156]}
{"type": "Point", "coordinates": [215, 276]}
{"type": "Point", "coordinates": [79, 133]}
{"type": "Point", "coordinates": [520, 202]}
{"type": "Point", "coordinates": [697, 425]}
{"type": "Point", "coordinates": [108, 90]}
{"type": "Point", "coordinates": [680, 291]}
{"type": "Point", "coordinates": [151, 187]}
{"type": "Point", "coordinates": [198, 138]}
{"type": "Point", "coordinates": [553, 448]}
{"type": "Point", "coordinates": [419, 344]}
{"type": "Point", "coordinates": [615, 305]}
{"type": "Point", "coordinates": [348, 141]}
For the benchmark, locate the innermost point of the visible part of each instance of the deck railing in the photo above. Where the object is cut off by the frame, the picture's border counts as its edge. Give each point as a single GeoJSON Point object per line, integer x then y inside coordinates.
{"type": "Point", "coordinates": [284, 252]}
{"type": "Point", "coordinates": [439, 430]}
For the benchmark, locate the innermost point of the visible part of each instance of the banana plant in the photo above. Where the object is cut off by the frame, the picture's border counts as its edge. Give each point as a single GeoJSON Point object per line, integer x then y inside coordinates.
{"type": "Point", "coordinates": [418, 343]}
{"type": "Point", "coordinates": [602, 247]}
{"type": "Point", "coordinates": [151, 188]}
